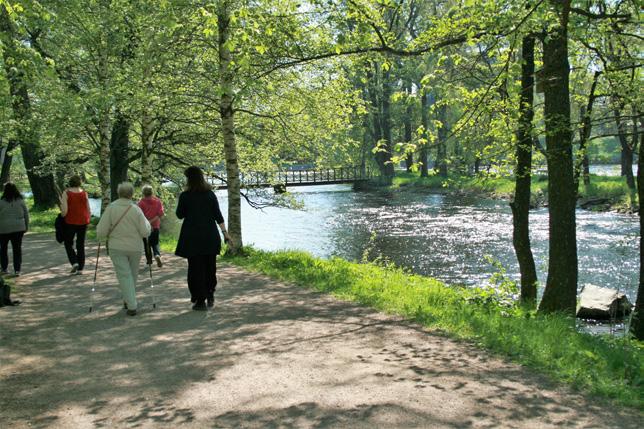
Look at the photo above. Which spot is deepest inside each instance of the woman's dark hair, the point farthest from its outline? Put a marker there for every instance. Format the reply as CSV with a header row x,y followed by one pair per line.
x,y
74,181
196,181
11,192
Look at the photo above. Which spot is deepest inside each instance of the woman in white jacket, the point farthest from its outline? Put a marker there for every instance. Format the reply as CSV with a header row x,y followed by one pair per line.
x,y
124,226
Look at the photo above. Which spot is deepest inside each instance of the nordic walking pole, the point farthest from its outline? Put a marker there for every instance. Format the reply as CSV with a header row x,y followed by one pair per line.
x,y
91,295
148,259
154,301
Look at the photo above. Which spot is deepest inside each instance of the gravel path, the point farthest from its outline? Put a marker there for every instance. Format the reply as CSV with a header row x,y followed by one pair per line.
x,y
270,355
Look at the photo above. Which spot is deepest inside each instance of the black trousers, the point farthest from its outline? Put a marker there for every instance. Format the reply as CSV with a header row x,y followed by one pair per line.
x,y
16,245
151,246
154,241
202,276
78,256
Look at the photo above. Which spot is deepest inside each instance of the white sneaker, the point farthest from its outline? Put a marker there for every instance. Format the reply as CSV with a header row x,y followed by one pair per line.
x,y
74,269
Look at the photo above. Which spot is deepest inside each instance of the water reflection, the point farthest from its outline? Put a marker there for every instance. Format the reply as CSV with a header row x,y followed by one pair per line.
x,y
443,236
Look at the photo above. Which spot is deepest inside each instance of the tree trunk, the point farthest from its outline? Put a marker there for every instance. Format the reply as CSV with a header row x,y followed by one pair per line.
x,y
409,159
586,114
521,204
147,136
424,120
228,129
637,325
386,125
375,98
119,161
561,286
6,158
42,184
103,123
441,149
627,150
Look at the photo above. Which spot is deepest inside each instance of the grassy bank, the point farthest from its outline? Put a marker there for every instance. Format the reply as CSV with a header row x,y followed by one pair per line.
x,y
603,366
611,188
41,220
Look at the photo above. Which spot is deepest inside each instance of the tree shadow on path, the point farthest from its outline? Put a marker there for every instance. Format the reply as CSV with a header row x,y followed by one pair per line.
x,y
269,355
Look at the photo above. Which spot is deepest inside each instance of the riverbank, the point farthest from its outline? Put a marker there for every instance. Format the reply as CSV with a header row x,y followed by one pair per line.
x,y
603,194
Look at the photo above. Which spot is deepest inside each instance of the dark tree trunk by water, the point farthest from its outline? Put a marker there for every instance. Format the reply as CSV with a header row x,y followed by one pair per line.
x,y
441,149
561,286
586,112
119,161
386,124
521,204
424,118
637,325
627,150
41,183
409,159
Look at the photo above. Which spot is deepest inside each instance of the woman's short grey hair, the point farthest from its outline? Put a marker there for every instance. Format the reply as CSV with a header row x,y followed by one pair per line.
x,y
147,190
125,190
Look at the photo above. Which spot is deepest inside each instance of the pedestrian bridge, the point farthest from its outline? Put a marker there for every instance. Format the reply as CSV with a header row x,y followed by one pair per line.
x,y
279,180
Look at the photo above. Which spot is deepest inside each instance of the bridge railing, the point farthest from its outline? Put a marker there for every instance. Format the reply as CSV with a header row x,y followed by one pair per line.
x,y
299,177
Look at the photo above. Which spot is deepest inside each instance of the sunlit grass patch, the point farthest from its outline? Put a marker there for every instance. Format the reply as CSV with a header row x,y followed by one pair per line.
x,y
41,220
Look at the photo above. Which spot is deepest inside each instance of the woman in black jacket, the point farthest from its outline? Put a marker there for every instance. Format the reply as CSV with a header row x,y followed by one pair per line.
x,y
199,240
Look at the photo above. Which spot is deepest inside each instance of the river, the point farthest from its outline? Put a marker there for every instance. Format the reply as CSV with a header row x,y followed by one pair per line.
x,y
443,236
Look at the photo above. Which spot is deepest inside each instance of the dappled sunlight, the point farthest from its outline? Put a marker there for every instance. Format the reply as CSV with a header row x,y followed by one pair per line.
x,y
270,354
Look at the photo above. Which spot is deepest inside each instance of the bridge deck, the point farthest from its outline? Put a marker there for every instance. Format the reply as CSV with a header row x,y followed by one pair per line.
x,y
332,176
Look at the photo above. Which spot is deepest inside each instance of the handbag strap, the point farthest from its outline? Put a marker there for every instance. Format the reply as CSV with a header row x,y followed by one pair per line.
x,y
118,221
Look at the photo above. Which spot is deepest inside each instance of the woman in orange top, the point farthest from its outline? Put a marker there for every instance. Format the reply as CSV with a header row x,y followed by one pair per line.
x,y
74,206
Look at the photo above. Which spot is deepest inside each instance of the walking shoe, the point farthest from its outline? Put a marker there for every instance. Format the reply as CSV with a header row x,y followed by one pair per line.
x,y
4,272
74,269
211,301
131,312
16,273
79,272
158,259
200,306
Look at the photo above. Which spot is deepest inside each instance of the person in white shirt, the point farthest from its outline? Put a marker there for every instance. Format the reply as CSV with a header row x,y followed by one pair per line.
x,y
124,226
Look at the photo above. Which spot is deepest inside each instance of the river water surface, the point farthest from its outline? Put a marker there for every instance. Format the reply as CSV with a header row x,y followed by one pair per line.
x,y
443,236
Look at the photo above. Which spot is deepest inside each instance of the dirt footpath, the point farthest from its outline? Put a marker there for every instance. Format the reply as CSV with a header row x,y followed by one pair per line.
x,y
270,355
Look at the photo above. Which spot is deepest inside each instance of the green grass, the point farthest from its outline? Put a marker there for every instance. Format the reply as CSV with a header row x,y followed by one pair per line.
x,y
600,365
612,188
41,220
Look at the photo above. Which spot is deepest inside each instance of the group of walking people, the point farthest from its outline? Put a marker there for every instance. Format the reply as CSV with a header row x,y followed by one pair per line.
x,y
129,230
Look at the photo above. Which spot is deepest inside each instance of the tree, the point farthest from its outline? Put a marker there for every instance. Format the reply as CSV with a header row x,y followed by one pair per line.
x,y
521,204
42,183
637,325
561,285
